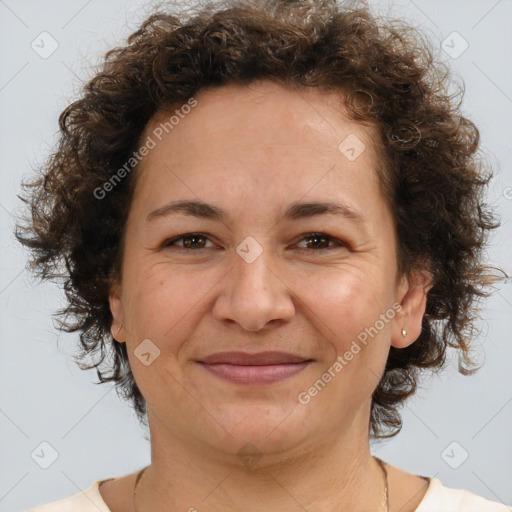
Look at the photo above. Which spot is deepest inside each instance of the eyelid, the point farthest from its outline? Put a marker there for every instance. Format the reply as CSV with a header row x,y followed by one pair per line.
x,y
331,239
167,243
336,242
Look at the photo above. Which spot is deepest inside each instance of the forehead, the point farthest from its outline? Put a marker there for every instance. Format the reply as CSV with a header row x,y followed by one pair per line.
x,y
251,138
236,114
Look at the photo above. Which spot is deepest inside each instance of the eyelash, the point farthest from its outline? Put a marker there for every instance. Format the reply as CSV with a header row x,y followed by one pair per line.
x,y
171,242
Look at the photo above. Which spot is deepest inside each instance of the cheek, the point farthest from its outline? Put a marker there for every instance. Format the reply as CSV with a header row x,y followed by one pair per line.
x,y
349,306
346,300
164,302
164,306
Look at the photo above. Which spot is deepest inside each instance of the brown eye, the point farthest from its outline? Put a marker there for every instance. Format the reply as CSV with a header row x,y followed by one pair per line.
x,y
320,241
189,241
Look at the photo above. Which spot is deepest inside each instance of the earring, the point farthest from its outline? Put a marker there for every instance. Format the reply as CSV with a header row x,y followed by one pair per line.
x,y
404,333
121,325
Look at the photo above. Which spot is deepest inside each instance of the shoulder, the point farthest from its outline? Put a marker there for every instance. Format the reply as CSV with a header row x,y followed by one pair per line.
x,y
87,500
439,498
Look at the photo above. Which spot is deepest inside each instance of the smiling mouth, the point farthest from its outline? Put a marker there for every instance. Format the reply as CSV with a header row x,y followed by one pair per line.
x,y
259,368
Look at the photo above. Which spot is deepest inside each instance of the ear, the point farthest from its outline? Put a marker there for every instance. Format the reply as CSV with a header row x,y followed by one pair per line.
x,y
116,308
412,297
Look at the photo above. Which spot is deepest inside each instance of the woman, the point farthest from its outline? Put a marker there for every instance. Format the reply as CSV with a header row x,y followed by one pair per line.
x,y
271,214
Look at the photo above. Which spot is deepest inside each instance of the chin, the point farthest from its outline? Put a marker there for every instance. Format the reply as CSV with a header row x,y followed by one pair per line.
x,y
260,428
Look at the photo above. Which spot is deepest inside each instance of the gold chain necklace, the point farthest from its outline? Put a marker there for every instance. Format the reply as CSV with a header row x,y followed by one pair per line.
x,y
385,494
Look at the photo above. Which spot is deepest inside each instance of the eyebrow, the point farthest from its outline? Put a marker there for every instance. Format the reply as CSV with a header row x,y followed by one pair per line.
x,y
294,211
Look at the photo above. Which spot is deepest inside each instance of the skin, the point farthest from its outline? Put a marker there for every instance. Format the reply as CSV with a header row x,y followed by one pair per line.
x,y
253,150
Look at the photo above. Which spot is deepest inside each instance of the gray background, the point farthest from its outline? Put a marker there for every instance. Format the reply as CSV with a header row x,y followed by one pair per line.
x,y
44,397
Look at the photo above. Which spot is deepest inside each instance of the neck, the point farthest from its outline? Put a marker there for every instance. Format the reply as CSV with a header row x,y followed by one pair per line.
x,y
339,474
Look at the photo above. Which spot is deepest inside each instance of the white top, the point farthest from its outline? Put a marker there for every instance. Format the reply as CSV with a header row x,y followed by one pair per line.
x,y
438,498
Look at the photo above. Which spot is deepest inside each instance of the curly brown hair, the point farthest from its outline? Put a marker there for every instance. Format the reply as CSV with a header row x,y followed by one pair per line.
x,y
390,76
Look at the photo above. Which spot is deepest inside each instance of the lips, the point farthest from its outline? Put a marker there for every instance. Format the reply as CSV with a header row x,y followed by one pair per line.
x,y
256,359
256,369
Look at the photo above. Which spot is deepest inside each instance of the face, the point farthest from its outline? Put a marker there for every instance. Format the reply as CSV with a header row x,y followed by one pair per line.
x,y
262,269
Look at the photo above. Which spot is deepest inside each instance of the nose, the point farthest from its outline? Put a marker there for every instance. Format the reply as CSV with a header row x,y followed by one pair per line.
x,y
254,294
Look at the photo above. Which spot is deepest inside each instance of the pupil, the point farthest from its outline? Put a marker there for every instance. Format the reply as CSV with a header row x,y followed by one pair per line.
x,y
317,240
191,241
